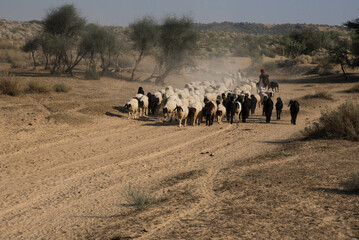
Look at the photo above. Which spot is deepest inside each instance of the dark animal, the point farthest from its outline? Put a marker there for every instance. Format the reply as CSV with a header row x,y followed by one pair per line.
x,y
279,107
152,103
294,109
140,90
246,108
253,104
268,108
274,86
209,112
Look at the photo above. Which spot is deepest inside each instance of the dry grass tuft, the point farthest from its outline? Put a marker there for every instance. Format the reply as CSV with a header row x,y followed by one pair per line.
x,y
9,85
354,89
352,184
137,197
61,87
319,95
36,87
342,123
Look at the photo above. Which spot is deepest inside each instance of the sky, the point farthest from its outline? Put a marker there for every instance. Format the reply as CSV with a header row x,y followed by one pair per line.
x,y
124,12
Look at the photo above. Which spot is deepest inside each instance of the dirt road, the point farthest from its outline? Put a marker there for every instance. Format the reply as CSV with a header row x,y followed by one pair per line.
x,y
64,168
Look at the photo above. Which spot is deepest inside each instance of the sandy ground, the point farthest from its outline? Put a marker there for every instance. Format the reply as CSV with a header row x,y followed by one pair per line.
x,y
65,160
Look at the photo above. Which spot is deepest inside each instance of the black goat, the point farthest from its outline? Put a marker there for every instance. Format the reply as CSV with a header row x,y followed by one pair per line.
x,y
268,108
294,109
140,90
246,108
152,103
279,107
274,86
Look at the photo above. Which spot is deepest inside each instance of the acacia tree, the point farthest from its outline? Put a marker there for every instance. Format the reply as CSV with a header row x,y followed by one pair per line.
x,y
64,27
31,46
354,25
176,46
143,35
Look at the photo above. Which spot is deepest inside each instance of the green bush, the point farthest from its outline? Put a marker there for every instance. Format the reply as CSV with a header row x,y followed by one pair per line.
x,y
36,87
9,85
342,123
61,87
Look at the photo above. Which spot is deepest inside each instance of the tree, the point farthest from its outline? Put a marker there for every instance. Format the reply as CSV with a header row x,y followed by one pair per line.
x,y
32,46
354,25
177,43
143,35
64,27
339,54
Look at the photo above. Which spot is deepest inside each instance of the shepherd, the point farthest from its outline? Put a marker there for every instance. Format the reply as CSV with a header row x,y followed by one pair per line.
x,y
263,81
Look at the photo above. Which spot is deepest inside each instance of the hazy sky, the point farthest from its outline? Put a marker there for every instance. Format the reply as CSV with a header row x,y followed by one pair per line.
x,y
123,12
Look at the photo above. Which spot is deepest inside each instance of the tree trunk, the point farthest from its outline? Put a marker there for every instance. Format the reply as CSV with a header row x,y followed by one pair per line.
x,y
136,64
342,66
161,79
46,62
33,58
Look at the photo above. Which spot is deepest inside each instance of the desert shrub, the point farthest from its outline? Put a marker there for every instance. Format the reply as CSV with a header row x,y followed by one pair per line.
x,y
303,59
6,45
319,95
137,197
354,89
61,87
342,123
9,85
16,58
351,184
36,87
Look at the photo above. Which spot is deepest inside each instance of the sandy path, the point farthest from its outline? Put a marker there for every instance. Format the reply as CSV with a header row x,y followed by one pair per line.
x,y
43,189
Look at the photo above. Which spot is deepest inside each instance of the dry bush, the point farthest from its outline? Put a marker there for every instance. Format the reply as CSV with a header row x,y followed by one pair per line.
x,y
354,89
6,45
61,87
137,197
9,85
303,59
320,95
16,58
352,184
36,87
342,123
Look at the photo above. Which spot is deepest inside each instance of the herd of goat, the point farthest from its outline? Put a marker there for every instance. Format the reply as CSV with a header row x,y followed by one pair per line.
x,y
211,101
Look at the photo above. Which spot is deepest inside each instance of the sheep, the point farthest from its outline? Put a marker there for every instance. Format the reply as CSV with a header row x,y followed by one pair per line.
x,y
140,91
195,113
221,111
209,112
279,107
246,107
294,109
169,110
143,105
182,114
274,86
132,107
268,108
138,96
